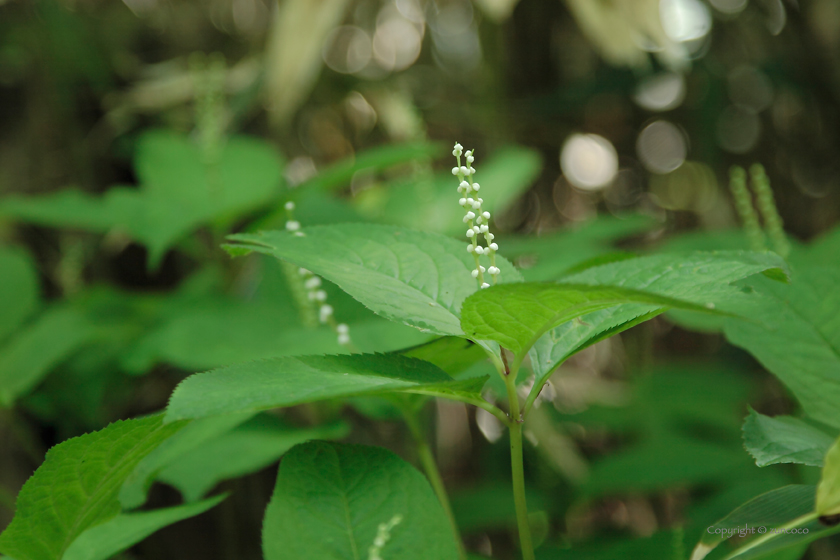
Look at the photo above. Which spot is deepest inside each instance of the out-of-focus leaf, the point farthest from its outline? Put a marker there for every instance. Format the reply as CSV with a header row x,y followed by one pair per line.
x,y
127,529
376,159
288,381
29,355
331,499
178,191
192,436
76,487
491,507
18,289
828,490
293,54
551,256
243,450
420,279
659,464
659,546
784,439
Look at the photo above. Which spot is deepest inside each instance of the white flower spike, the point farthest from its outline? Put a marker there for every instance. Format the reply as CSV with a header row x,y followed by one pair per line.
x,y
475,217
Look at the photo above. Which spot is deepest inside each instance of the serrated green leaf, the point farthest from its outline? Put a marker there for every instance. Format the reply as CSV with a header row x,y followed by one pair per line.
x,y
795,334
76,487
517,315
245,449
784,439
29,355
127,529
18,289
420,279
828,490
700,278
331,499
178,191
289,381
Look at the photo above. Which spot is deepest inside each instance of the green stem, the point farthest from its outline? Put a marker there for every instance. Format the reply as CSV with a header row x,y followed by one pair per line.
x,y
427,460
516,463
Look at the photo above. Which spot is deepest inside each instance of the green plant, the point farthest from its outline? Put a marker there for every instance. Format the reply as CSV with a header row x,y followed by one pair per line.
x,y
429,282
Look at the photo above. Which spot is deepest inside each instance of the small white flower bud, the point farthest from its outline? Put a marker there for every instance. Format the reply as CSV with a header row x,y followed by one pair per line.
x,y
464,185
321,295
292,225
493,270
475,186
455,170
476,204
458,146
325,312
471,170
482,268
490,236
470,232
470,159
465,219
478,220
343,338
494,246
479,250
474,273
476,229
485,285
342,328
480,200
484,228
312,283
290,206
470,215
462,201
470,248
465,170
486,215
470,201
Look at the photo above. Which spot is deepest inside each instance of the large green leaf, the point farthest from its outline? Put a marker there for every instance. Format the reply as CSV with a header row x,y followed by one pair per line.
x,y
18,289
828,491
784,439
420,279
178,191
332,501
288,381
127,529
516,315
245,449
76,487
796,336
30,354
702,278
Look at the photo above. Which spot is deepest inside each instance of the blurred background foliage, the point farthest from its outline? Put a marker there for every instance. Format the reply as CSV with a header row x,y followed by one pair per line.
x,y
136,134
